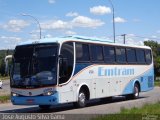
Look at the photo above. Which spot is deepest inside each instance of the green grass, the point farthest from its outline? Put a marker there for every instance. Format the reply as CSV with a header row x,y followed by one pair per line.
x,y
119,117
4,78
157,83
152,110
4,99
147,109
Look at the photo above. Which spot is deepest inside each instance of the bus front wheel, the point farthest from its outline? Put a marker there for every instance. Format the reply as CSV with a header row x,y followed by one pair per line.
x,y
82,97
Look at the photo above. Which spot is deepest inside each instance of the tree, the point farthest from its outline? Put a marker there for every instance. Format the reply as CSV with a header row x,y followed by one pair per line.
x,y
3,53
154,45
2,67
156,54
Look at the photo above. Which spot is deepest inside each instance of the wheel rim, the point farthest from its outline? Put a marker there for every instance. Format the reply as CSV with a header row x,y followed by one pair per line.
x,y
82,98
136,91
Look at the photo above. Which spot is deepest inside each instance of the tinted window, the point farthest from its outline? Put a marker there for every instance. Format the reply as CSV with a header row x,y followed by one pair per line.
x,y
131,55
140,56
120,55
96,53
148,56
82,52
66,62
109,54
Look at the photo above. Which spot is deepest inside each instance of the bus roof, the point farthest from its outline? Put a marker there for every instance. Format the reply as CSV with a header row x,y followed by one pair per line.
x,y
76,38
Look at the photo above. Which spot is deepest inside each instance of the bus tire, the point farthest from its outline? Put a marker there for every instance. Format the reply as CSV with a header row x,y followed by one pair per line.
x,y
44,107
135,94
82,98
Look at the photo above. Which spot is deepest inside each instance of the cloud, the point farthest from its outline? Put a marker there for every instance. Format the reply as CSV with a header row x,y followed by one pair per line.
x,y
131,35
15,39
119,20
9,42
100,10
70,33
154,36
34,37
51,1
48,36
58,24
79,21
131,39
82,21
146,39
15,25
72,14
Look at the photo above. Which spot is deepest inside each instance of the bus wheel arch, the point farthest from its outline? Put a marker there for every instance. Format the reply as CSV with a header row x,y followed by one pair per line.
x,y
82,96
85,88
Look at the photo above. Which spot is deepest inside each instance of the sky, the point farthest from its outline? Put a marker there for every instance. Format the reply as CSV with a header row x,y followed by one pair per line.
x,y
138,19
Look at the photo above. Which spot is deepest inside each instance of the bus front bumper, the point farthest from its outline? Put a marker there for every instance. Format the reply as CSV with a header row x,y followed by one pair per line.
x,y
35,100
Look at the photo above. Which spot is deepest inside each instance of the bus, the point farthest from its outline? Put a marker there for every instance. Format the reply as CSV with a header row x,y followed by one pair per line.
x,y
76,69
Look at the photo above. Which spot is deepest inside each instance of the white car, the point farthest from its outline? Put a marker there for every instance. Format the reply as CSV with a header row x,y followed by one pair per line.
x,y
1,83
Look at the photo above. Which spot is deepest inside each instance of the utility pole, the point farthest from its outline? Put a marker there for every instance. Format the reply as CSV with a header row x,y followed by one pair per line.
x,y
124,38
36,21
113,18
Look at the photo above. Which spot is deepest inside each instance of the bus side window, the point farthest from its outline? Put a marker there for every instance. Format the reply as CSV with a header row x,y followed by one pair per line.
x,y
121,55
96,53
148,56
66,62
140,56
131,55
82,52
109,54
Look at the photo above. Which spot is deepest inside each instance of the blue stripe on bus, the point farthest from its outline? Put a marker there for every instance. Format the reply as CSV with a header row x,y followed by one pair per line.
x,y
146,82
35,100
80,67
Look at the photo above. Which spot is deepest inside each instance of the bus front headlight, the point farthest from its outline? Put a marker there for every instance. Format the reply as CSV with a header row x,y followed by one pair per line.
x,y
14,94
49,93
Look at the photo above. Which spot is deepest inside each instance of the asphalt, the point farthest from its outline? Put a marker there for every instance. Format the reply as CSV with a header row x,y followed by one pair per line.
x,y
93,107
5,88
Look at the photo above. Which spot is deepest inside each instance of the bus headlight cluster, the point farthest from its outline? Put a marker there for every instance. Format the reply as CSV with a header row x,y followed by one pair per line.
x,y
48,93
14,94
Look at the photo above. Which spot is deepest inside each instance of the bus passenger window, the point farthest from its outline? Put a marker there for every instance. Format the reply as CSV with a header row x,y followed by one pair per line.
x,y
82,52
121,55
131,55
66,62
97,53
140,56
109,54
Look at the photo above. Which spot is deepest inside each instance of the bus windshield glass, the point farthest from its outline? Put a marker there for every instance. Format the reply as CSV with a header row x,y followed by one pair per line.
x,y
34,66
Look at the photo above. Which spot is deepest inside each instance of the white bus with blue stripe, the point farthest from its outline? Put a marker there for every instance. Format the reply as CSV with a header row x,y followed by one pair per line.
x,y
77,69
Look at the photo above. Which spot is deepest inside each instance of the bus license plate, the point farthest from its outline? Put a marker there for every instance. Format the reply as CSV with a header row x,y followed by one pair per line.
x,y
30,101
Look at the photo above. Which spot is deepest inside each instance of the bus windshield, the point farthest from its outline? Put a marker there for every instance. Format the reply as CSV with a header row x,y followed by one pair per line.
x,y
34,66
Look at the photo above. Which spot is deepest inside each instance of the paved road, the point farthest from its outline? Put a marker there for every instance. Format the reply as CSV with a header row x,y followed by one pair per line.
x,y
94,107
5,88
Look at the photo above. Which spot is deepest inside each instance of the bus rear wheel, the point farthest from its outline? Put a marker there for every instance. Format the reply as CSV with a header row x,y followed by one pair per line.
x,y
82,97
44,107
135,94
